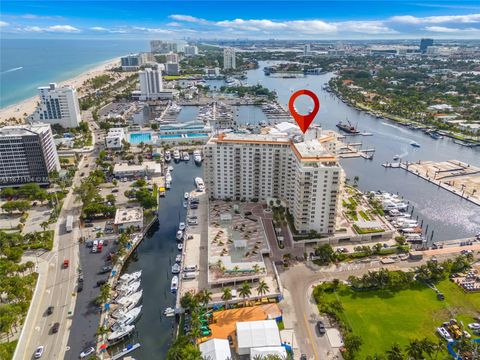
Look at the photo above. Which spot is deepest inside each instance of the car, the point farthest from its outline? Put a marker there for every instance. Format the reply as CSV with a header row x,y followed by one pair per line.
x,y
89,225
66,262
98,228
89,243
101,282
105,269
50,310
87,352
474,326
55,327
321,327
303,357
39,352
82,174
80,278
86,165
79,287
230,340
114,190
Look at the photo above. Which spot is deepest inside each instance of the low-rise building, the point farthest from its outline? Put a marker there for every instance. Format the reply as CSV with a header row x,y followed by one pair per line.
x,y
257,335
115,138
147,168
129,218
212,72
172,68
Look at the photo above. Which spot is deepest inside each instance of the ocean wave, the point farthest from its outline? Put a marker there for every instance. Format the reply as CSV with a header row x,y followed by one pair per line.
x,y
11,70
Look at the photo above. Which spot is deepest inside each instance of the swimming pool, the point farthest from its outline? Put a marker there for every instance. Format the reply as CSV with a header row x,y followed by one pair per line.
x,y
193,135
182,136
137,138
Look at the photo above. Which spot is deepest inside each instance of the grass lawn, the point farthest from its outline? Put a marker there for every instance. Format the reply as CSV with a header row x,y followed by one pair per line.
x,y
382,318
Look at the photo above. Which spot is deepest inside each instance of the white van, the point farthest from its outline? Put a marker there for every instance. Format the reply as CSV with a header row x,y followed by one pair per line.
x,y
191,268
189,275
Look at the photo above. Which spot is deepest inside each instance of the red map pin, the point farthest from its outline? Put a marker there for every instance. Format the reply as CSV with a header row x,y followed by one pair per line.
x,y
304,121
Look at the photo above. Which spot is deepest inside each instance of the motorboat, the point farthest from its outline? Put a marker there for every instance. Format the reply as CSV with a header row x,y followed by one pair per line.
x,y
129,278
126,290
129,302
129,318
168,156
170,168
180,246
168,184
415,144
168,177
174,284
176,155
197,156
185,204
120,334
179,235
178,258
181,226
186,196
185,156
176,268
168,312
396,157
200,184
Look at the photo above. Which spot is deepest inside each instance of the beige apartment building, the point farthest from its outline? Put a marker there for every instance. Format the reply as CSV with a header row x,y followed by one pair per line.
x,y
303,173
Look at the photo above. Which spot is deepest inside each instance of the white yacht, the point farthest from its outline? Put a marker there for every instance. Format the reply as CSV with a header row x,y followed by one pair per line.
x,y
181,226
186,196
174,284
121,333
176,268
168,184
178,258
200,184
168,177
129,302
179,235
129,278
168,312
185,156
197,156
168,156
127,290
127,319
180,246
176,155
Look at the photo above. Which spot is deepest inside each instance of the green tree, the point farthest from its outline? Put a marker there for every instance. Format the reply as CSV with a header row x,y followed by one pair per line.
x,y
226,295
325,253
395,352
262,288
245,291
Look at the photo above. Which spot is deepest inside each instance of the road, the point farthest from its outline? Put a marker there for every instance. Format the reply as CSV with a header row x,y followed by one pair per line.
x,y
59,286
299,306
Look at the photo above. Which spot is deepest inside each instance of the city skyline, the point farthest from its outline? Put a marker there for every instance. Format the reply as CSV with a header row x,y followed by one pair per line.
x,y
208,20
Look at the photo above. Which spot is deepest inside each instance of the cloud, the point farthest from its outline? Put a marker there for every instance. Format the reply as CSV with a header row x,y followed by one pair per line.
x,y
99,28
53,29
189,18
152,30
174,23
366,27
4,23
443,29
409,19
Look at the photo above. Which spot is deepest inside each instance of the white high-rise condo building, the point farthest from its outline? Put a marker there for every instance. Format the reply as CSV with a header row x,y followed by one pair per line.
x,y
229,59
151,85
302,173
191,50
27,154
171,57
58,105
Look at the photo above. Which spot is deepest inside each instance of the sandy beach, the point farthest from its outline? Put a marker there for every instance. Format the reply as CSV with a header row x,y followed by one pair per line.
x,y
28,105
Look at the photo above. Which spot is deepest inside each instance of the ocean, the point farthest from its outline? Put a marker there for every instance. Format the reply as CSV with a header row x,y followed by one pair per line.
x,y
26,64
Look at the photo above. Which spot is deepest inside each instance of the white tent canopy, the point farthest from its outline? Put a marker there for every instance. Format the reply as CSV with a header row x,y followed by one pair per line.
x,y
270,350
216,349
254,334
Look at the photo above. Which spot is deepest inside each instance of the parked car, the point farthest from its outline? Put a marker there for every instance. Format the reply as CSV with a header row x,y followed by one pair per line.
x,y
89,225
474,326
89,243
101,282
80,278
55,327
39,352
66,262
87,352
79,287
105,269
321,327
50,310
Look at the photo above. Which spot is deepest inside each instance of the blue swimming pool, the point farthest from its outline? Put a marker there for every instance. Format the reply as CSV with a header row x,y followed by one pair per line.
x,y
137,138
182,136
193,135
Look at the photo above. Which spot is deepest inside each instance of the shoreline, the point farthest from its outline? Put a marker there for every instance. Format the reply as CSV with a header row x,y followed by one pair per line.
x,y
28,105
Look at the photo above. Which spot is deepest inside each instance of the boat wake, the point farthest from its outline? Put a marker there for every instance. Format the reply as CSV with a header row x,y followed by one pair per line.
x,y
11,70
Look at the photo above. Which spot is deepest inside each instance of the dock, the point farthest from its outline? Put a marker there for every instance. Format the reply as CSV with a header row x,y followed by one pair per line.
x,y
125,351
446,180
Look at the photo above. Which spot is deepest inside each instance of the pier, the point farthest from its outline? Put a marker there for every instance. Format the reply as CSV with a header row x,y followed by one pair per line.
x,y
413,168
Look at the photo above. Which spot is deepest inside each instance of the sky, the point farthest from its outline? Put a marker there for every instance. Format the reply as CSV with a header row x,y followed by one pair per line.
x,y
316,20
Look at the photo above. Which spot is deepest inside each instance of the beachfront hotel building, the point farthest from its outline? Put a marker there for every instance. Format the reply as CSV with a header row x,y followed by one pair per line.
x,y
27,154
58,105
302,171
151,85
229,59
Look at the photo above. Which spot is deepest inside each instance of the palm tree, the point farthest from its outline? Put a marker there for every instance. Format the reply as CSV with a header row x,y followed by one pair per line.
x,y
395,353
206,297
44,225
227,295
245,291
414,350
262,288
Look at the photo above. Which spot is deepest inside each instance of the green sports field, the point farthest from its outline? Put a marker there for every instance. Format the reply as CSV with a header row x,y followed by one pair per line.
x,y
382,318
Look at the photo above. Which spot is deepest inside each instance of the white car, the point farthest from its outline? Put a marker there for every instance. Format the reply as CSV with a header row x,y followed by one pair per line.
x,y
39,352
474,326
87,352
